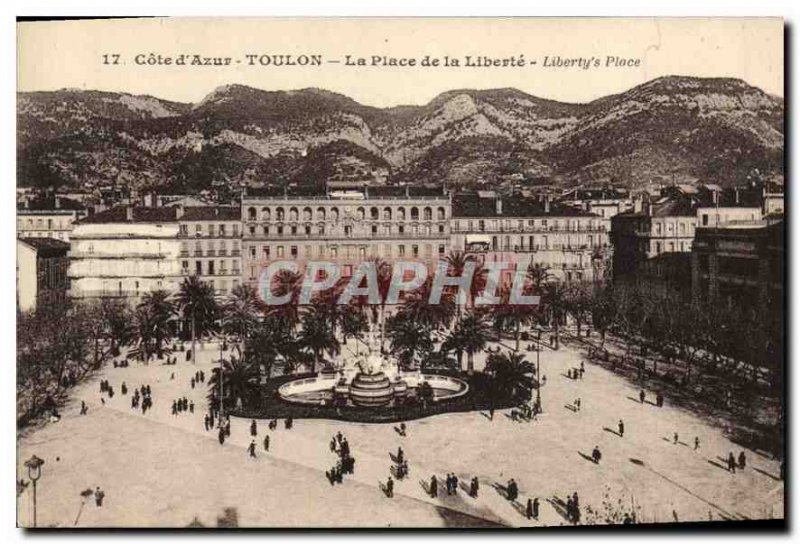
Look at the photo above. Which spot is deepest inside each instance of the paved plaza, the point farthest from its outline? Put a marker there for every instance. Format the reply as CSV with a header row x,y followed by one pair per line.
x,y
166,470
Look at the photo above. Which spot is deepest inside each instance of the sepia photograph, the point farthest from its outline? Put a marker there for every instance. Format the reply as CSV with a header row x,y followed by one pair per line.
x,y
360,273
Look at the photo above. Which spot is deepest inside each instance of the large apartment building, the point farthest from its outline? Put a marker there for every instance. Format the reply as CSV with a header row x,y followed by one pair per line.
x,y
346,227
572,243
210,244
48,217
125,252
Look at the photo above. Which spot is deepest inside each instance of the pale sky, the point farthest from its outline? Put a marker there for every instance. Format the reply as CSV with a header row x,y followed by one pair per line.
x,y
69,54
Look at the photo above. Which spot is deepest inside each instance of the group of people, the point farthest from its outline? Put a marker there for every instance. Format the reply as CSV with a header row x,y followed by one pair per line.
x,y
199,377
142,396
182,405
345,464
659,398
573,508
733,463
576,373
124,363
107,388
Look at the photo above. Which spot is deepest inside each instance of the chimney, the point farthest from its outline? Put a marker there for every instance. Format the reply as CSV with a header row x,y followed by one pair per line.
x,y
129,213
714,197
547,203
498,205
178,211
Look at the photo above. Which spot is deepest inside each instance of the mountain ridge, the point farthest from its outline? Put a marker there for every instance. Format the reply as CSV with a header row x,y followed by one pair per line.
x,y
719,129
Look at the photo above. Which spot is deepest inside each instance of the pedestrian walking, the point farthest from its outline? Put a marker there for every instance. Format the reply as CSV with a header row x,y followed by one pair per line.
x,y
742,460
641,396
84,409
390,487
99,495
596,455
253,428
474,487
529,509
221,436
252,448
696,442
731,463
621,428
266,443
536,508
675,438
434,486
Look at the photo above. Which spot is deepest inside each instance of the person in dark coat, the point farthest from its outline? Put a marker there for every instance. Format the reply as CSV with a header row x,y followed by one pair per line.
x,y
474,487
621,427
399,455
221,435
536,508
390,487
434,486
253,428
529,509
252,448
596,455
731,463
641,396
742,460
266,443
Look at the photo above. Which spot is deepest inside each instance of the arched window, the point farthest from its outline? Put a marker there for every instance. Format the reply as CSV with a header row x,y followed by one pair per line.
x,y
401,214
334,214
373,213
387,214
414,213
440,214
251,214
427,214
360,213
321,214
279,214
293,214
306,214
266,214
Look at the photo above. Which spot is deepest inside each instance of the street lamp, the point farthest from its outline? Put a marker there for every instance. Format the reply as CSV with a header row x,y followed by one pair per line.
x,y
34,465
538,370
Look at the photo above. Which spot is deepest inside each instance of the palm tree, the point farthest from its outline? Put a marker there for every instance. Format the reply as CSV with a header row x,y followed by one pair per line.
x,y
239,382
242,311
514,316
317,336
287,282
155,315
417,307
268,343
456,264
408,339
553,303
352,322
474,331
198,306
511,377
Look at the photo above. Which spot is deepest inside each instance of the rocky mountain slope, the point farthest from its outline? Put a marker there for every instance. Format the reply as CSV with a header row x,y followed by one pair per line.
x,y
719,130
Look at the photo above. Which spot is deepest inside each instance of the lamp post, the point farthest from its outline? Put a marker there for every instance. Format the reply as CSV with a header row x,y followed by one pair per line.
x,y
538,371
34,465
222,348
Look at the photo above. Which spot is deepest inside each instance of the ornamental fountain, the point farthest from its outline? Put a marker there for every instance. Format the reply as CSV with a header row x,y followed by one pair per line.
x,y
368,379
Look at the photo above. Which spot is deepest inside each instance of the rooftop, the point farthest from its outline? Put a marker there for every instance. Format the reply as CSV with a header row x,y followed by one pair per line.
x,y
319,193
474,205
46,245
119,214
211,213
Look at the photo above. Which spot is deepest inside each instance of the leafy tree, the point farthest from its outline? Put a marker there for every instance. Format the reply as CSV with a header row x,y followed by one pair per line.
x,y
511,378
317,335
154,320
409,340
473,331
239,382
198,307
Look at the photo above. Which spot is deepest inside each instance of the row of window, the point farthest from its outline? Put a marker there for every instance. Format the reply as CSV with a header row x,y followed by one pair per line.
x,y
322,213
320,230
211,247
522,225
211,230
277,252
211,268
680,229
41,223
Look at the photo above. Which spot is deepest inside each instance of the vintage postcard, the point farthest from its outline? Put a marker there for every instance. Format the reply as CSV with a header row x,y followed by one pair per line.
x,y
394,273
